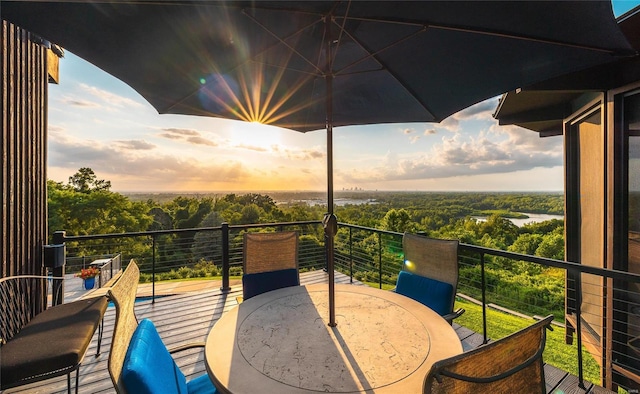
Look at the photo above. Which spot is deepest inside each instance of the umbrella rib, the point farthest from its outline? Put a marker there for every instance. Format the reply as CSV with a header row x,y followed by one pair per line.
x,y
372,55
493,33
524,38
282,40
341,31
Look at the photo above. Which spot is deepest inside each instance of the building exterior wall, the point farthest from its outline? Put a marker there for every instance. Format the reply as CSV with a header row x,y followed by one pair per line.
x,y
23,179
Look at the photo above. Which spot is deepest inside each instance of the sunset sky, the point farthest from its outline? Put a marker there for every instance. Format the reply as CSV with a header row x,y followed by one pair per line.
x,y
99,122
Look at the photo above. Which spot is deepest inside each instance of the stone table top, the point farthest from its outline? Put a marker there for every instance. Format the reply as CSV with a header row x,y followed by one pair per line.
x,y
280,342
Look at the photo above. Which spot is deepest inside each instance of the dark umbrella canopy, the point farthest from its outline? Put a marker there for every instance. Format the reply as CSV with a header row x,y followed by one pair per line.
x,y
308,65
266,61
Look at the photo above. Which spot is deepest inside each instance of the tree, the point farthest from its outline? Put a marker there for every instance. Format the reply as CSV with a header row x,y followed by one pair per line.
x,y
250,214
207,245
501,230
86,181
94,210
552,246
526,244
398,220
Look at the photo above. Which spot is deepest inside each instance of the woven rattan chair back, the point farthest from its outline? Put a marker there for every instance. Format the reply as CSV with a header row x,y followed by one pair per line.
x,y
123,296
512,364
432,258
21,298
264,252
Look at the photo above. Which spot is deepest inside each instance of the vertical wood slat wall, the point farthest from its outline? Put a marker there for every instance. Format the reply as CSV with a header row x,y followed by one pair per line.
x,y
23,180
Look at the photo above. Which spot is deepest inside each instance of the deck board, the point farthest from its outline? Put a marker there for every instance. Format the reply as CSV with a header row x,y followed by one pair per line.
x,y
188,317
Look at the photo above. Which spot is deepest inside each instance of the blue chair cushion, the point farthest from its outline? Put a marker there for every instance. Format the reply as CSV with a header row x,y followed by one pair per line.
x,y
201,385
433,293
148,366
254,284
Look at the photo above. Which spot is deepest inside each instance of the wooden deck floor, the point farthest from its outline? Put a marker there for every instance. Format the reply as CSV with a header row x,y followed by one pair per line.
x,y
189,315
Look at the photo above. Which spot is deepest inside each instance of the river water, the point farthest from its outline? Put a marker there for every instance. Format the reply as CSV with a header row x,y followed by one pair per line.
x,y
533,218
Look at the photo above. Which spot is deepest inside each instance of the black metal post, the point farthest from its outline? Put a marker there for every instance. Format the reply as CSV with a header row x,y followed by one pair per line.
x,y
350,255
578,279
379,260
330,219
57,290
153,269
225,257
484,300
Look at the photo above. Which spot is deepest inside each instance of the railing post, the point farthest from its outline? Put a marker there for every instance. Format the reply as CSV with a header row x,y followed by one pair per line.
x,y
350,255
225,257
484,299
153,269
57,290
578,279
380,260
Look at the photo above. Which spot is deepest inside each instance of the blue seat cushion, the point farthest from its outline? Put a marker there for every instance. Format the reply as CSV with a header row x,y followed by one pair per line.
x,y
433,293
201,385
148,366
254,284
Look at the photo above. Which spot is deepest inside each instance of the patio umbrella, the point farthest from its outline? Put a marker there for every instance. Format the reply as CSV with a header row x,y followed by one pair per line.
x,y
308,65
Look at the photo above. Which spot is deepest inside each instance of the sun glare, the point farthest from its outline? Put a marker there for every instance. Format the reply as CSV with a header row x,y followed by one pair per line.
x,y
256,136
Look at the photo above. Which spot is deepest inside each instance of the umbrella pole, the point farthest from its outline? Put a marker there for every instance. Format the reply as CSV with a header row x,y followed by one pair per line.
x,y
330,221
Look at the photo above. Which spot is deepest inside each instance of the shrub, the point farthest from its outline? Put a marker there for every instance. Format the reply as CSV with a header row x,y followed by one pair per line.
x,y
235,271
199,273
184,272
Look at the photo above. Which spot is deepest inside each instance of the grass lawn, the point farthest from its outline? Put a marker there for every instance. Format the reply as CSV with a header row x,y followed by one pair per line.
x,y
556,353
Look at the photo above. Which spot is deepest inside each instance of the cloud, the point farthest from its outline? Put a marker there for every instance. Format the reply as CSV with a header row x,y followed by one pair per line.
x,y
430,132
481,111
110,98
181,132
150,171
408,131
200,141
135,145
190,136
252,147
79,103
304,154
295,153
493,152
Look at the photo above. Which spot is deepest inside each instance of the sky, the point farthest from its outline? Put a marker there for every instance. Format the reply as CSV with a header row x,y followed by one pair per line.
x,y
97,121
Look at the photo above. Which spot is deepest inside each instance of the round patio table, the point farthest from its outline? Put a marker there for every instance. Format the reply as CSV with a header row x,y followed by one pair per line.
x,y
280,342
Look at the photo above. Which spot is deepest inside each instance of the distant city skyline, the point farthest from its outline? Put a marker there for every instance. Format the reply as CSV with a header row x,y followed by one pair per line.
x,y
99,122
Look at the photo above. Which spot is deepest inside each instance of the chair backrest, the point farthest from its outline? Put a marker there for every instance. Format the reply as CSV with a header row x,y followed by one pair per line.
x,y
511,364
148,365
265,252
270,262
123,296
432,258
21,298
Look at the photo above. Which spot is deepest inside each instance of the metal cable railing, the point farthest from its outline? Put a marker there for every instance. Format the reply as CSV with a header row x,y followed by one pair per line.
x,y
603,305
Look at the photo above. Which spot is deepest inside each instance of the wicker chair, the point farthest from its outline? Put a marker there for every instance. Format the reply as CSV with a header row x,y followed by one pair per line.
x,y
270,262
430,273
123,296
139,362
512,364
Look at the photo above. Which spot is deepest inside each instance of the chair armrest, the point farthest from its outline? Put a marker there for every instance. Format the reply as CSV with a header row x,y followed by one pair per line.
x,y
186,346
454,315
